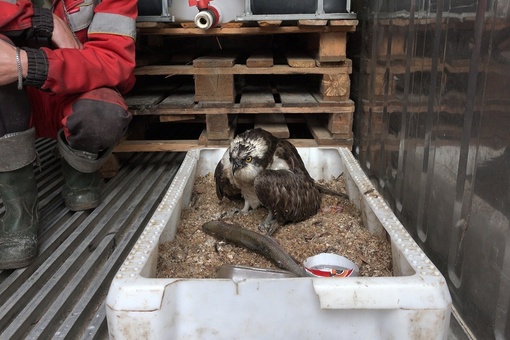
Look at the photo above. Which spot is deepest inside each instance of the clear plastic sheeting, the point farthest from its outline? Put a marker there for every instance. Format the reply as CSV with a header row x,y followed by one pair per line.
x,y
433,135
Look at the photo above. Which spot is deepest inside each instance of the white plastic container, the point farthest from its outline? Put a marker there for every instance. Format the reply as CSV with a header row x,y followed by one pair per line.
x,y
413,304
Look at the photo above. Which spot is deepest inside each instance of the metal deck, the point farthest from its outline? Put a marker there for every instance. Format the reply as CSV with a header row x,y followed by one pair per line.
x,y
61,295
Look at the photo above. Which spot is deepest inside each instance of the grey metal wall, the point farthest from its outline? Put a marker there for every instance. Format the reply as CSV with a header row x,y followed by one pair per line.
x,y
433,131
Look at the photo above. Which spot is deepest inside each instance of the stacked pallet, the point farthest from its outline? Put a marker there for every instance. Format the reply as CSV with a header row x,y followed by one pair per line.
x,y
269,74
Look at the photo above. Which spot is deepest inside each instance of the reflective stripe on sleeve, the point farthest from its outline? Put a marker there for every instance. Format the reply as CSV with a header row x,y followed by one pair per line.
x,y
113,24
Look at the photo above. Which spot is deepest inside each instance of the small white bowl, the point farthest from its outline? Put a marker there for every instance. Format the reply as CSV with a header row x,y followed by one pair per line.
x,y
330,265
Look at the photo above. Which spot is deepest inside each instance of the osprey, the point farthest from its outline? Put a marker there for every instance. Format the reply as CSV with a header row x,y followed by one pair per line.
x,y
267,171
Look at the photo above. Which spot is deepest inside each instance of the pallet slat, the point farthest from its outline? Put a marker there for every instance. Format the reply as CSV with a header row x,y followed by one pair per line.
x,y
155,70
257,97
266,27
275,124
297,98
261,58
317,105
299,59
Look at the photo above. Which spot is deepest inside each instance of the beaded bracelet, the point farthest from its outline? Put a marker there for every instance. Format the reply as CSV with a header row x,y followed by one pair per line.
x,y
20,71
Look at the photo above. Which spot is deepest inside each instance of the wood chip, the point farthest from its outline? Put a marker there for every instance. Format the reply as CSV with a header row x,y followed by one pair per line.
x,y
337,228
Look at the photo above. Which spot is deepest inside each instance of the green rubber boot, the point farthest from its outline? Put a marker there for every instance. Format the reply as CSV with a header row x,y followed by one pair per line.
x,y
18,190
81,191
82,187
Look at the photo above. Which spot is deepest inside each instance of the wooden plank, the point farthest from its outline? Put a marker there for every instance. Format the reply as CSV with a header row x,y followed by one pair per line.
x,y
340,124
178,101
188,24
232,24
235,108
269,23
319,132
239,69
221,59
204,141
332,46
340,137
275,124
299,59
344,105
214,88
261,58
176,118
296,98
257,96
344,22
266,27
217,127
322,136
144,101
312,22
213,106
319,63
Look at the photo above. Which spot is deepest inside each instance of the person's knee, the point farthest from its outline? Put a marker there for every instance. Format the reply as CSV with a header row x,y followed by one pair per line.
x,y
96,125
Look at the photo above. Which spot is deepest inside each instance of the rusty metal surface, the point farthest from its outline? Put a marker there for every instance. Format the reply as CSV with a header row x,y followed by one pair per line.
x,y
61,295
433,132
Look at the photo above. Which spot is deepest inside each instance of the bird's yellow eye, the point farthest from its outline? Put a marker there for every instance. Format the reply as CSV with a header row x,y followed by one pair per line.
x,y
248,159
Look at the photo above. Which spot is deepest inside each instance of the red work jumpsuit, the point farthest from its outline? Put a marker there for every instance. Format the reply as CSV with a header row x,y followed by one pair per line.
x,y
97,74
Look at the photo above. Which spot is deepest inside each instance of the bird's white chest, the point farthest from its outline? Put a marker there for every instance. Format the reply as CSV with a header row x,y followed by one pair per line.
x,y
243,179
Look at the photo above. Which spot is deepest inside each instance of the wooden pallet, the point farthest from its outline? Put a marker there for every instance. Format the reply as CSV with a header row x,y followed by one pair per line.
x,y
214,73
313,132
263,99
268,72
326,39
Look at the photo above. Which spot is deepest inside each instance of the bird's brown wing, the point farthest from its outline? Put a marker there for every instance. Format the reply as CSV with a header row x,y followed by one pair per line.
x,y
287,151
291,197
225,186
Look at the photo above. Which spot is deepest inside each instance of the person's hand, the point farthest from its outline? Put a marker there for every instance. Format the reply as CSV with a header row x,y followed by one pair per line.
x,y
62,36
8,65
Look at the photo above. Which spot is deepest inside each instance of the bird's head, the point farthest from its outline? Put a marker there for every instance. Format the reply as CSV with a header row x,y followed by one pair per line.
x,y
247,155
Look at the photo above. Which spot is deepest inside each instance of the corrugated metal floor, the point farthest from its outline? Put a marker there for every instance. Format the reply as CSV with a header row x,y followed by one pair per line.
x,y
61,295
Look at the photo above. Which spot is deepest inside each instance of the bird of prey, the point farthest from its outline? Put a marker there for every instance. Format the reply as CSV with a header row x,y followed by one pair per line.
x,y
267,171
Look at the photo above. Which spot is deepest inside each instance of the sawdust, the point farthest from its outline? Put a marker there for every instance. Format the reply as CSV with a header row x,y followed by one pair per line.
x,y
337,228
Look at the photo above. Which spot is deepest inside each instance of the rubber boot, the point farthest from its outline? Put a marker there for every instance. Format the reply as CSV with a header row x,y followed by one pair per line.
x,y
18,189
82,182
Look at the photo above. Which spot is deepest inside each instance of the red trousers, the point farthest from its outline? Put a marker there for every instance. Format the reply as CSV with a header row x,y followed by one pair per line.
x,y
50,111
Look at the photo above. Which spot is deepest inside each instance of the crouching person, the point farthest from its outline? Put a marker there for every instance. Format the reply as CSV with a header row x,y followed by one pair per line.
x,y
63,70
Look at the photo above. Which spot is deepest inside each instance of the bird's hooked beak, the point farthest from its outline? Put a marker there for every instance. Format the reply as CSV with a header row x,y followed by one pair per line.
x,y
236,165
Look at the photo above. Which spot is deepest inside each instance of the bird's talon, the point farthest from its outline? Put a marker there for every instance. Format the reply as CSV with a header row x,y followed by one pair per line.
x,y
262,228
272,228
268,228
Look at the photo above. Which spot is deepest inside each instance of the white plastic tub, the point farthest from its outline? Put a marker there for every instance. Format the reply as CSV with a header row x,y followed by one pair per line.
x,y
413,304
